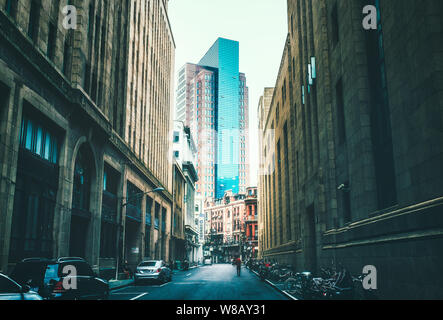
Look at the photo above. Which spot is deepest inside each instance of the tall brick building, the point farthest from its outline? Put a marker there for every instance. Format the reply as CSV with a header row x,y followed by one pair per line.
x,y
353,144
85,118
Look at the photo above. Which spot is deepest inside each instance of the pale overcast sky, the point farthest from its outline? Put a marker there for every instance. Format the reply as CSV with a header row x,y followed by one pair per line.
x,y
259,25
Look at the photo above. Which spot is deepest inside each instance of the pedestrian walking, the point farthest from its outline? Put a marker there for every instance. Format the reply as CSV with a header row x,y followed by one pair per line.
x,y
238,264
127,270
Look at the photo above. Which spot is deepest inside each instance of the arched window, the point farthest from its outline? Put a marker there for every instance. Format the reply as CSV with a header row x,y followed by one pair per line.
x,y
82,182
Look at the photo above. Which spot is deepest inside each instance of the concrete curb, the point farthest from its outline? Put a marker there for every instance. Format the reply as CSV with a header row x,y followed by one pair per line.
x,y
275,287
132,281
122,286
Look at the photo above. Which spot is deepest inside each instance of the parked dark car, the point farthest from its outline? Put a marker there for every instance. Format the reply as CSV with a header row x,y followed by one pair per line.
x,y
52,279
11,290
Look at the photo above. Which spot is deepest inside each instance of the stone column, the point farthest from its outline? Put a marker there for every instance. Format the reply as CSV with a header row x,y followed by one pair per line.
x,y
96,214
10,118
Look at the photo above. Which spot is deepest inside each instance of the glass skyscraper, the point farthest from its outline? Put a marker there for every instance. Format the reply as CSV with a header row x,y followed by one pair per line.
x,y
212,98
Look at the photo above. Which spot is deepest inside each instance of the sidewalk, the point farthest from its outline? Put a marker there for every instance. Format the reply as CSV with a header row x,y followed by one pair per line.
x,y
175,271
277,286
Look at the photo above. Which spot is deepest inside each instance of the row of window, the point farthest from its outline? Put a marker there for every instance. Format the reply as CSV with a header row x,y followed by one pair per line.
x,y
38,139
33,28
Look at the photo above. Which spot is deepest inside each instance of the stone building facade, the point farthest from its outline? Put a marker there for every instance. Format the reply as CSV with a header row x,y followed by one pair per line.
x,y
178,237
185,152
85,120
262,113
364,120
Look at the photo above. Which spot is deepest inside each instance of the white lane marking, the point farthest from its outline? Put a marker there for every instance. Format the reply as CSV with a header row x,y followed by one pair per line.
x,y
290,295
139,296
159,286
188,274
125,293
117,290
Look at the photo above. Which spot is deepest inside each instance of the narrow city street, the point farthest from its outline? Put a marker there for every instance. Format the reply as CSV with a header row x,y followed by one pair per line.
x,y
216,282
301,139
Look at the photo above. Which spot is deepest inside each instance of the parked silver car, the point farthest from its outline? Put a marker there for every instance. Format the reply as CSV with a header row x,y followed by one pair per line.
x,y
11,290
152,270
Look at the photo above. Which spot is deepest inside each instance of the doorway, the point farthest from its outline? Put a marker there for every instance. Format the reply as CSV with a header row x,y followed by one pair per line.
x,y
77,241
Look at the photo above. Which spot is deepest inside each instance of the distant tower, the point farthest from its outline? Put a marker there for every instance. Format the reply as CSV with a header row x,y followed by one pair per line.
x,y
212,99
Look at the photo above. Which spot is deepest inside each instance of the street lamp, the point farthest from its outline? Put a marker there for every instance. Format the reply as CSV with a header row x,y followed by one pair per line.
x,y
156,190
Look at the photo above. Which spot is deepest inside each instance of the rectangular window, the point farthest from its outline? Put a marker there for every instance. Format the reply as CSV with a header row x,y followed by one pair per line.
x,y
11,7
163,220
157,217
28,135
67,57
335,27
54,148
34,17
340,112
47,146
38,139
347,205
283,91
105,176
52,35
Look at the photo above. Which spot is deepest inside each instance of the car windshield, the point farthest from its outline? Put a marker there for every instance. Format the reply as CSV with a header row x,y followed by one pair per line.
x,y
8,286
81,269
149,264
34,271
51,271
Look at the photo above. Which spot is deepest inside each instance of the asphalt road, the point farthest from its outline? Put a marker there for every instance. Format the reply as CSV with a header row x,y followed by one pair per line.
x,y
216,282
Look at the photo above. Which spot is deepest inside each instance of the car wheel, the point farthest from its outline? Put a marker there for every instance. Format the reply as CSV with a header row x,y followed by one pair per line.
x,y
105,295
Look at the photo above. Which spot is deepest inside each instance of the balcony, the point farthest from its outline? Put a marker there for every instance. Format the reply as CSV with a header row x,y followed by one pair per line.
x,y
252,239
229,244
250,219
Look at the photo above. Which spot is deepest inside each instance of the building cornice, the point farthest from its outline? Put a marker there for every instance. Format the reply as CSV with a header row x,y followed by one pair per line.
x,y
284,56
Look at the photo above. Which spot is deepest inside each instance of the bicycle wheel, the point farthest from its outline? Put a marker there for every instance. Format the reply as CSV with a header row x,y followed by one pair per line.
x,y
290,284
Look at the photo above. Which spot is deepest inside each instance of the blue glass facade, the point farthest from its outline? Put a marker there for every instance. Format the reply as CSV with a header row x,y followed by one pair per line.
x,y
224,55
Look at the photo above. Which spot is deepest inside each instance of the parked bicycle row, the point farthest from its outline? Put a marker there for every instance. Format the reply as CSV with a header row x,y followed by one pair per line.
x,y
331,284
